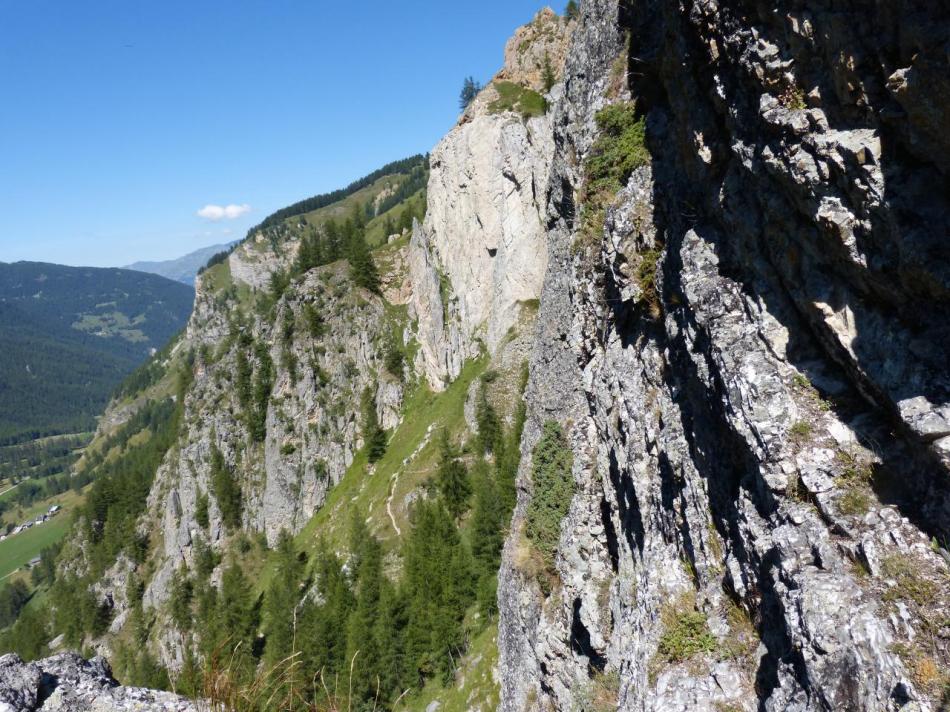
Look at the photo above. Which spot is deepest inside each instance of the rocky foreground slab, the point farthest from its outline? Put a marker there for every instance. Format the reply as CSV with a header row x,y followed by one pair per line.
x,y
69,683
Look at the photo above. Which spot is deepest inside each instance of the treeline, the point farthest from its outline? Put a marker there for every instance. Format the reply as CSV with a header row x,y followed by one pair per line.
x,y
321,201
40,458
418,180
328,243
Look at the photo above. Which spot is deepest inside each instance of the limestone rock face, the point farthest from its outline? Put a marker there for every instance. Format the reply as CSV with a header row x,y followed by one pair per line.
x,y
762,446
68,683
481,253
479,258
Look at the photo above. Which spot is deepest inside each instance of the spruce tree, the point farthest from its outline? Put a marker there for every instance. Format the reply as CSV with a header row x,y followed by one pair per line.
x,y
361,626
487,421
452,479
362,266
282,600
374,436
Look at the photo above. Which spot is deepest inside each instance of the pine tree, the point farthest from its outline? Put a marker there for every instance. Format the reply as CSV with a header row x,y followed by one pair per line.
x,y
227,492
486,527
179,603
331,231
487,421
361,626
389,228
322,628
548,75
362,266
373,435
314,321
438,585
282,600
452,479
470,89
201,510
263,383
572,10
390,629
244,373
236,620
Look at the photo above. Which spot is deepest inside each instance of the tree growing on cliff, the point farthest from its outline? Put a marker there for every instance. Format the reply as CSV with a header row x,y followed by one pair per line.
x,y
487,421
373,434
263,383
226,490
572,10
362,266
470,89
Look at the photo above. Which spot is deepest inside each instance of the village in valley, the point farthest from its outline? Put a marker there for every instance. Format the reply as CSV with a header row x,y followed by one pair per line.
x,y
41,519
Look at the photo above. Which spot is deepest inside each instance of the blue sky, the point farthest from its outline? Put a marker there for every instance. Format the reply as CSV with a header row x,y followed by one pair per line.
x,y
120,121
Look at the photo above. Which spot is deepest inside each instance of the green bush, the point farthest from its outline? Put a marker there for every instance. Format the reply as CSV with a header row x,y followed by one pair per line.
x,y
553,488
686,634
616,154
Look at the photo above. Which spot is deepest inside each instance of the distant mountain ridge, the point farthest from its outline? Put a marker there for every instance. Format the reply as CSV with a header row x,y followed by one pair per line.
x,y
71,334
182,269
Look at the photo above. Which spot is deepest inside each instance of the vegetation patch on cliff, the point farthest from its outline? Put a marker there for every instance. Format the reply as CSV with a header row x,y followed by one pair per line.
x,y
519,99
616,154
552,491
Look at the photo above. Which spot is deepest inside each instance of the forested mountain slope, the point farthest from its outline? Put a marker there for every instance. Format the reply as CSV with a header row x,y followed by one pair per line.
x,y
70,335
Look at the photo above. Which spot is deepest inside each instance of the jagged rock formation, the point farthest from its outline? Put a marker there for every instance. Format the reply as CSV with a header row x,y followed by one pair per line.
x,y
68,683
759,433
480,256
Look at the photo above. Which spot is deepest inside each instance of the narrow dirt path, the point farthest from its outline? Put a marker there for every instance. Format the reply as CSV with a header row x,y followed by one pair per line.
x,y
395,477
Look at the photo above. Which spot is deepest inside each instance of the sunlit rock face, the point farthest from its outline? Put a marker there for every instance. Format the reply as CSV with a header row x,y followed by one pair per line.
x,y
759,430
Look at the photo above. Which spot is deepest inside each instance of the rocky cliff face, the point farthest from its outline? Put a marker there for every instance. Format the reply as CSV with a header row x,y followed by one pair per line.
x,y
759,431
307,358
480,256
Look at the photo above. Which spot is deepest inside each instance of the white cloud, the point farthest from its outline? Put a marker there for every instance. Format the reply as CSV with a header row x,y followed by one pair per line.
x,y
223,212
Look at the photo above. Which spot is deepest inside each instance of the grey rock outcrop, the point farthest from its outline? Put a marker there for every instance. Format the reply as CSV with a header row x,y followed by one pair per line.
x,y
757,432
480,255
69,683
